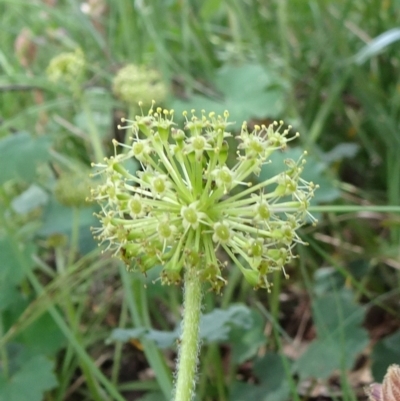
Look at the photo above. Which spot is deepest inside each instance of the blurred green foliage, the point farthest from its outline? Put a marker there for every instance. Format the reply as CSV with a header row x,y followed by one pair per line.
x,y
328,68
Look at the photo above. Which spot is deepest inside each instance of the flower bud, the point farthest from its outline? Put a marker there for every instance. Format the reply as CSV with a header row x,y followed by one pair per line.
x,y
389,390
222,233
135,83
72,190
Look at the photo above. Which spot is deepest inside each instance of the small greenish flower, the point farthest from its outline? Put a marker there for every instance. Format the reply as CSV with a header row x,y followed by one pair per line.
x,y
186,202
135,83
68,68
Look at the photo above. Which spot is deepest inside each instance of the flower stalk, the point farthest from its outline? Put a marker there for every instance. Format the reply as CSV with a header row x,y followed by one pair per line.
x,y
189,341
69,69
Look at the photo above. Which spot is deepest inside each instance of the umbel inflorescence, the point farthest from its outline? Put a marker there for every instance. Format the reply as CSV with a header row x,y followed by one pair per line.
x,y
185,202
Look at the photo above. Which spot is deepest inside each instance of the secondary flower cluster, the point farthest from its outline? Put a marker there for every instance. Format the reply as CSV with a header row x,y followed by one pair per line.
x,y
133,83
68,69
185,202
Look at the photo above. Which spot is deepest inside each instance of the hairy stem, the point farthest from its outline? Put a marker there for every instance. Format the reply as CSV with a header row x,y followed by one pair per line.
x,y
189,347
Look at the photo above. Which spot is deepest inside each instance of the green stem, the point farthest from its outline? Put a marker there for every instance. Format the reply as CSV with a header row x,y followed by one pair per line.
x,y
153,355
284,35
3,352
119,345
25,264
219,379
94,135
189,348
71,337
73,249
70,311
355,208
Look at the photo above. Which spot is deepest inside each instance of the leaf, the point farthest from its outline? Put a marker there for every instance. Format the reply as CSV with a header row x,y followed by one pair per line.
x,y
30,199
198,102
377,45
247,341
385,353
13,257
152,396
37,332
248,91
8,294
214,327
28,383
334,309
327,279
314,171
162,339
341,151
340,337
58,219
209,8
271,372
43,336
21,154
273,384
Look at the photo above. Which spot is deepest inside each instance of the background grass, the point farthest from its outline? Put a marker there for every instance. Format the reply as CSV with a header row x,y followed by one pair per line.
x,y
332,71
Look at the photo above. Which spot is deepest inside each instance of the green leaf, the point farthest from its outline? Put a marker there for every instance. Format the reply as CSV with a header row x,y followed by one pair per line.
x,y
248,91
385,353
162,339
8,295
340,337
58,219
21,154
30,199
336,309
214,327
43,336
13,257
14,310
198,102
100,103
327,279
28,383
341,151
153,396
247,341
273,384
377,45
209,8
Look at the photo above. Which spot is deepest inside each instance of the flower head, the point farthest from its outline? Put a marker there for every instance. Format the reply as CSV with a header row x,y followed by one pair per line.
x,y
77,197
186,202
68,68
133,83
